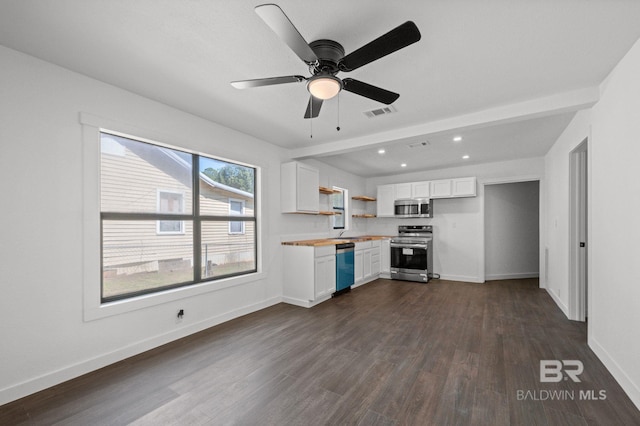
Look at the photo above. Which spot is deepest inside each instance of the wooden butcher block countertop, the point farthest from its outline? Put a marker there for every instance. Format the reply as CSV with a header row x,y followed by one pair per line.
x,y
332,241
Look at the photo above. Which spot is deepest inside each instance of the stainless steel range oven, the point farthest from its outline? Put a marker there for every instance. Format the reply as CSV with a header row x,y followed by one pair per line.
x,y
412,253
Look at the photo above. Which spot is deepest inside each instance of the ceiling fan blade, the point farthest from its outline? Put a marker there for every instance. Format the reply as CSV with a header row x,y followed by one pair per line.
x,y
369,91
246,84
396,39
276,19
313,107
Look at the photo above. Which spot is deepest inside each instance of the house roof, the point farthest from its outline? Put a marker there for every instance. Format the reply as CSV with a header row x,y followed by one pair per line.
x,y
159,156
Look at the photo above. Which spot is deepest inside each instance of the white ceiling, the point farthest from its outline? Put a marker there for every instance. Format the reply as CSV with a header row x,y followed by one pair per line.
x,y
505,74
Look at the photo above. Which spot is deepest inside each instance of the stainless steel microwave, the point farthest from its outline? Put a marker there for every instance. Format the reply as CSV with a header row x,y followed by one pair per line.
x,y
414,207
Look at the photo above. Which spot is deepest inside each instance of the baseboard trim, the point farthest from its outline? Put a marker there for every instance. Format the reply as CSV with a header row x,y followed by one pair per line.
x,y
631,389
304,303
297,302
559,302
463,278
45,381
517,276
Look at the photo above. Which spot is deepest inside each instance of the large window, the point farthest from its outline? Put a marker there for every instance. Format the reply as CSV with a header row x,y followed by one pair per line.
x,y
171,218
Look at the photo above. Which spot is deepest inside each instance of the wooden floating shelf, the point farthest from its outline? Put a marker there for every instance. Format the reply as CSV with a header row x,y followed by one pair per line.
x,y
322,213
363,198
325,190
367,216
312,213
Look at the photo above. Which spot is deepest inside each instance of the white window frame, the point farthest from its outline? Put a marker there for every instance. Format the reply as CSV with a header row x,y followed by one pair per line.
x,y
93,309
343,212
234,213
159,193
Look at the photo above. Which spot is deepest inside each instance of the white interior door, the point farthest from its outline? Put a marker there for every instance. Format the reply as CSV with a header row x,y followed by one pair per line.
x,y
578,239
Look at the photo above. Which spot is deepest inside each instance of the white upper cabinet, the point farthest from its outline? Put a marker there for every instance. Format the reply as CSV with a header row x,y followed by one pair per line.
x,y
299,188
441,188
386,197
403,190
420,189
412,190
463,187
453,188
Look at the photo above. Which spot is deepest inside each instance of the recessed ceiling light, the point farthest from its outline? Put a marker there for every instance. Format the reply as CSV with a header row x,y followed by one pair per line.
x,y
465,157
457,138
403,165
381,151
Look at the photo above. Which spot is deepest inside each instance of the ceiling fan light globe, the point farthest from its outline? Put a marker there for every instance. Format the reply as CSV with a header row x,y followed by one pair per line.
x,y
324,87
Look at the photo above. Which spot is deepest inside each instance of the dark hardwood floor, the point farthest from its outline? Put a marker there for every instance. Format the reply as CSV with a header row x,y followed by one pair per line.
x,y
386,353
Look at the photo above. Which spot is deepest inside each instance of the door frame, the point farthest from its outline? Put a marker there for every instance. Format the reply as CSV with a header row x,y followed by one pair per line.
x,y
578,231
541,207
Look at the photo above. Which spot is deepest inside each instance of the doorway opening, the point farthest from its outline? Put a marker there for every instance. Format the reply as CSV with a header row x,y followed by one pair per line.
x,y
578,232
512,230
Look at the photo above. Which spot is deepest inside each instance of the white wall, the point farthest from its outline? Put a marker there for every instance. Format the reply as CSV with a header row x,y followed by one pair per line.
x,y
44,337
614,297
458,223
512,230
612,128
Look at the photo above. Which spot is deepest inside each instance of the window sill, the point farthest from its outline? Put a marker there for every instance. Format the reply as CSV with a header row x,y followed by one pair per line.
x,y
98,311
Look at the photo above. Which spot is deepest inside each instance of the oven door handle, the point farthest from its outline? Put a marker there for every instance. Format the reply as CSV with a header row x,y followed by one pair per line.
x,y
401,245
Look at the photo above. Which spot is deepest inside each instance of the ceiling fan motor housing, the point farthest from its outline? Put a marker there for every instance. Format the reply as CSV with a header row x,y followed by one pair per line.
x,y
329,54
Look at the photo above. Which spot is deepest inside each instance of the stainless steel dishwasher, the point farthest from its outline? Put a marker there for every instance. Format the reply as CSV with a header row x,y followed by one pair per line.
x,y
344,267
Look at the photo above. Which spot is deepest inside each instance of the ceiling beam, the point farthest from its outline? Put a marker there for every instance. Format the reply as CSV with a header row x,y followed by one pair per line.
x,y
535,108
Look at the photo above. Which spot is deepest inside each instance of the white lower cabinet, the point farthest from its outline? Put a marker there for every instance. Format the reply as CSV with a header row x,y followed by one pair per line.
x,y
367,261
375,264
385,258
325,276
309,274
358,265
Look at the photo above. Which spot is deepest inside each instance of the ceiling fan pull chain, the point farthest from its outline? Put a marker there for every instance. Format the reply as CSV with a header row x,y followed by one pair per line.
x,y
310,118
338,127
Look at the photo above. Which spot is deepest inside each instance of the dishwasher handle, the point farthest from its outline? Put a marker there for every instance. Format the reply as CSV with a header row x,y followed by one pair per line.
x,y
344,250
345,247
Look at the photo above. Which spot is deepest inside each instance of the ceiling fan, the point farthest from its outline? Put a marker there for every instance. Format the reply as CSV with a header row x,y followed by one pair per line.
x,y
326,58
